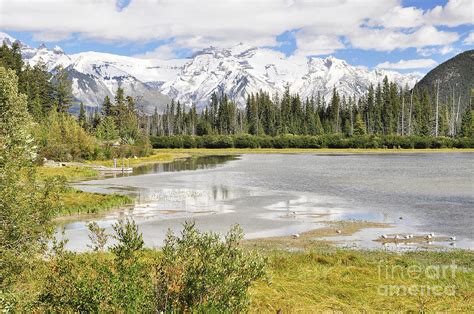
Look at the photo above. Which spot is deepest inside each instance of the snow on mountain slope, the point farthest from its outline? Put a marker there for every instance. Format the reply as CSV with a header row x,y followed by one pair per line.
x,y
237,72
242,70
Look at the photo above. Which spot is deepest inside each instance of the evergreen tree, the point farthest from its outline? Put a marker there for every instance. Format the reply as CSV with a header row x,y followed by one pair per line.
x,y
62,90
359,125
82,117
467,124
107,130
108,109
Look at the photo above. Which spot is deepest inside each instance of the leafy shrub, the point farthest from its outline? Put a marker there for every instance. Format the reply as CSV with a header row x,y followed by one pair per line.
x,y
95,282
308,141
199,272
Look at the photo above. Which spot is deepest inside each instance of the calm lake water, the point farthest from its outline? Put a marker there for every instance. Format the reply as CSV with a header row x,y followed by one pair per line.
x,y
431,192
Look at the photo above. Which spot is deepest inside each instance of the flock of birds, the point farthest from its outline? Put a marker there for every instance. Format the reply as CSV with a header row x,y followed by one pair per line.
x,y
427,237
396,237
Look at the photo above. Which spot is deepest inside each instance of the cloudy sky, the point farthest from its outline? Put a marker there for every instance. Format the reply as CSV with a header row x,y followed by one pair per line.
x,y
403,35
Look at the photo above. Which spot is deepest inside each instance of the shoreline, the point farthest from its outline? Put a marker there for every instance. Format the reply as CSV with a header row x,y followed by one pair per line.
x,y
329,151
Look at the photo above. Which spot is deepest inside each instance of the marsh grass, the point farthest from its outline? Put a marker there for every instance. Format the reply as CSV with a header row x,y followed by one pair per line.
x,y
70,173
354,281
157,157
78,202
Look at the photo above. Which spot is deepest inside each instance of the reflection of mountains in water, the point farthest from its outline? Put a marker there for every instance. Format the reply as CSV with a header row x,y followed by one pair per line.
x,y
192,163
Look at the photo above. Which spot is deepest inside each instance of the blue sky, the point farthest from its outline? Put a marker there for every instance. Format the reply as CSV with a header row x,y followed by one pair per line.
x,y
402,35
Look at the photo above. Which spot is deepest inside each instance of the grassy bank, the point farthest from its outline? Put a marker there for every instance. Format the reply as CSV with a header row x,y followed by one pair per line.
x,y
319,280
308,275
365,281
158,157
236,151
70,173
79,202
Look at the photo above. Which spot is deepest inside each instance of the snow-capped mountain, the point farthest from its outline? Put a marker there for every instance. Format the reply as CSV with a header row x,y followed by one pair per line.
x,y
237,72
242,70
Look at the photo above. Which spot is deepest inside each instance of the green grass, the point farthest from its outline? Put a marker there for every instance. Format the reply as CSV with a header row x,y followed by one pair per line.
x,y
71,173
355,281
157,157
326,280
78,202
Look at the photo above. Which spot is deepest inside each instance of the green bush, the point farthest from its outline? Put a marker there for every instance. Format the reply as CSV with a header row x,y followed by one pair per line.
x,y
97,283
308,141
199,272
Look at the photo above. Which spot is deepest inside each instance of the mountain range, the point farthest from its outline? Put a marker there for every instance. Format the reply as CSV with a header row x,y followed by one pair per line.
x,y
236,71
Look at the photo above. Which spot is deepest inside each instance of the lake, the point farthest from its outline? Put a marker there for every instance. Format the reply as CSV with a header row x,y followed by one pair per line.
x,y
280,194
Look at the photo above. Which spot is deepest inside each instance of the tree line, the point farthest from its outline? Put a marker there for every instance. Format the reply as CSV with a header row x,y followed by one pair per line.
x,y
386,109
119,129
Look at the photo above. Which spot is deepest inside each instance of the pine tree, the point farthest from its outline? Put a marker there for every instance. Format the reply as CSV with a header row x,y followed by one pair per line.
x,y
82,117
108,109
107,130
62,90
467,124
359,126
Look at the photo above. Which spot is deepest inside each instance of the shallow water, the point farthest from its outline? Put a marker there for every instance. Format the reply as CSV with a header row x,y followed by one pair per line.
x,y
280,194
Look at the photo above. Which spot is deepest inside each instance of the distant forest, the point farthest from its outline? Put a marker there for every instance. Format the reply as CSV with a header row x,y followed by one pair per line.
x,y
120,128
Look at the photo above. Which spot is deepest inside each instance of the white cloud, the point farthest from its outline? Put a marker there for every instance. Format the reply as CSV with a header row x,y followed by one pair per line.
x,y
408,64
163,52
429,51
469,40
191,24
50,36
309,44
454,13
399,17
388,40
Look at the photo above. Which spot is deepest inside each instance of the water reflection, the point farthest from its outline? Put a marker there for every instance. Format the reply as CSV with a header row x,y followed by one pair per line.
x,y
273,195
185,164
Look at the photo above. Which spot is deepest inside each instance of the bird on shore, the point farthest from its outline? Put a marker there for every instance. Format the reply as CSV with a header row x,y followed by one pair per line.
x,y
397,237
453,238
384,236
338,231
296,236
428,236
